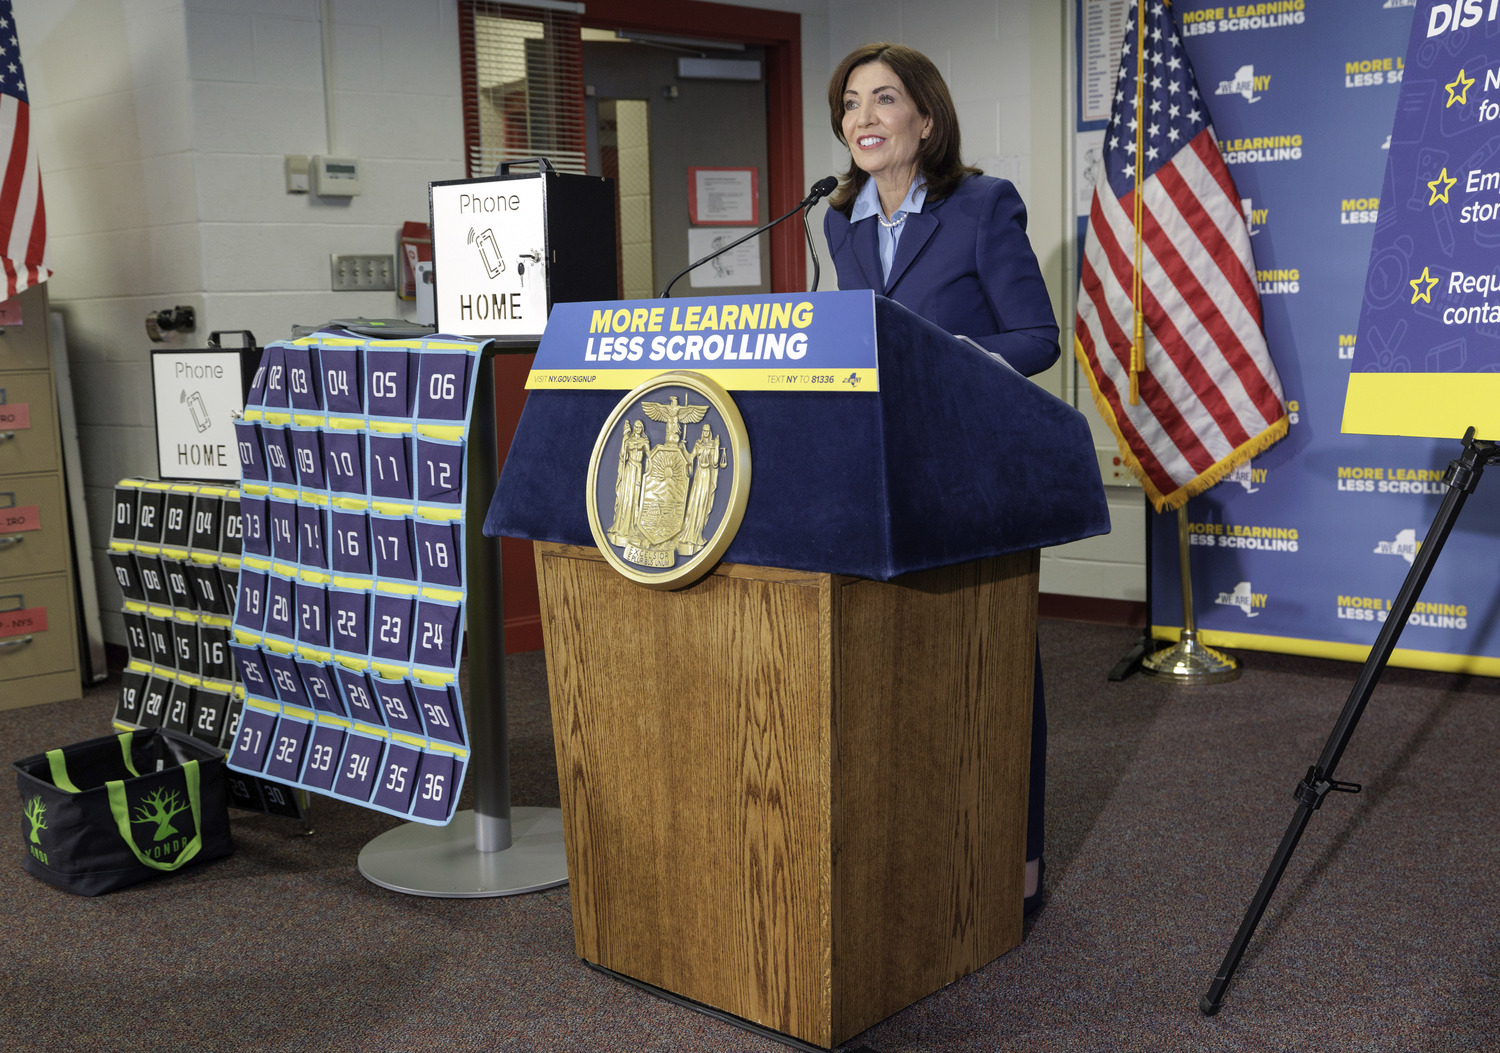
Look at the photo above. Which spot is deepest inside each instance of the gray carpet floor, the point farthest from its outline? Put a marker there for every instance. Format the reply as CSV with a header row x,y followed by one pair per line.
x,y
1164,806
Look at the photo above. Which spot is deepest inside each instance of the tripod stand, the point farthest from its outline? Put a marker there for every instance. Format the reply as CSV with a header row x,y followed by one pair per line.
x,y
1462,478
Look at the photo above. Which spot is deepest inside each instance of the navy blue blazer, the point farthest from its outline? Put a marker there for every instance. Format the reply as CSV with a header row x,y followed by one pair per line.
x,y
964,264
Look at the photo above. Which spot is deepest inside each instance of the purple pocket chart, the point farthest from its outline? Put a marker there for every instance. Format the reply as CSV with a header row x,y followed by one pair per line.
x,y
398,777
349,617
436,634
285,679
280,618
358,768
391,538
317,684
251,664
287,744
302,379
387,383
390,627
343,381
390,466
280,465
439,556
273,361
312,616
282,516
255,525
323,752
252,456
435,787
257,394
307,451
443,386
344,461
440,711
253,742
358,698
312,548
350,551
440,471
397,704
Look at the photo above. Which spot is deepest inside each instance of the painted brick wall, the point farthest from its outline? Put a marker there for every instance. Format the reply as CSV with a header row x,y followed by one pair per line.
x,y
162,126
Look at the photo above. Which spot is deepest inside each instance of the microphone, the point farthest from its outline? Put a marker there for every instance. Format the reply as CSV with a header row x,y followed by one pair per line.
x,y
821,189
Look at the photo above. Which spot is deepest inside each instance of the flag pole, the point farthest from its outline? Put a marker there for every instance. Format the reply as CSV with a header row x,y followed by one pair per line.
x,y
1189,661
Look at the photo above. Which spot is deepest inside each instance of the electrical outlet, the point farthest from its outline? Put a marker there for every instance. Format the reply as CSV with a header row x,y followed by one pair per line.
x,y
364,273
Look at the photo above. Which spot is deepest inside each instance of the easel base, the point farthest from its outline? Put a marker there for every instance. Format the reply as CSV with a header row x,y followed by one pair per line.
x,y
1191,662
444,862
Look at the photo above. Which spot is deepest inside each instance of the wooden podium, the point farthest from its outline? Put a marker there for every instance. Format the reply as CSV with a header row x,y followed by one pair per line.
x,y
796,797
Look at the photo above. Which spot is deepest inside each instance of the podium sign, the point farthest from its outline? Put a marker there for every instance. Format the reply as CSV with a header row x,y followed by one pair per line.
x,y
782,342
1427,361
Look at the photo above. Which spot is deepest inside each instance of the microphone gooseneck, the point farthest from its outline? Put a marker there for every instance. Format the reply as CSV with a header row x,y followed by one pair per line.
x,y
821,189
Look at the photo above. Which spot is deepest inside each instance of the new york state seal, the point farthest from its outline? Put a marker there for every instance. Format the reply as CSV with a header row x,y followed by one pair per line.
x,y
668,480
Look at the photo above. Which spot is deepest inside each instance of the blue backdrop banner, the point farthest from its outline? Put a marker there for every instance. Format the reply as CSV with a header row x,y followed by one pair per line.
x,y
1303,550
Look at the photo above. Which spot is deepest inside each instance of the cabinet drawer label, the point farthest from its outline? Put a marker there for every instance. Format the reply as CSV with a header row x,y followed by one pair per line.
x,y
15,520
15,416
26,620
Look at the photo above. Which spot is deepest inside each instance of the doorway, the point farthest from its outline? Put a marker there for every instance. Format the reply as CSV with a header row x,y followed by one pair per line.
x,y
654,126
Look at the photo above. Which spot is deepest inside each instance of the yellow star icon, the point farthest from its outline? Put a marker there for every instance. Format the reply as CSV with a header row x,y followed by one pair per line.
x,y
1456,93
1447,185
1422,294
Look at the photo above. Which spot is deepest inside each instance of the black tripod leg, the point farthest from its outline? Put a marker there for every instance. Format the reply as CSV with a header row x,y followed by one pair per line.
x,y
1462,478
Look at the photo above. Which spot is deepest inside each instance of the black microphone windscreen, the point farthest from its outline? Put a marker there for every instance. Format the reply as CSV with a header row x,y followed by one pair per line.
x,y
823,187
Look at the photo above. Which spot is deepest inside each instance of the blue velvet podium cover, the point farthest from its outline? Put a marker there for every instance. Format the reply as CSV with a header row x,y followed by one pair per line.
x,y
956,458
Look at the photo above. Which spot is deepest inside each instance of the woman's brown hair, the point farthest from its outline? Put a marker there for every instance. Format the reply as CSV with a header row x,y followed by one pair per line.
x,y
939,161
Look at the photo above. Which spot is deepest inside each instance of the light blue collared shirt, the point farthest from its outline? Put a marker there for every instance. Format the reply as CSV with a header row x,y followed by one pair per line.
x,y
868,204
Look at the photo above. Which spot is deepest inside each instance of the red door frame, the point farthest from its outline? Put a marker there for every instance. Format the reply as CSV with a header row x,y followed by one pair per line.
x,y
780,33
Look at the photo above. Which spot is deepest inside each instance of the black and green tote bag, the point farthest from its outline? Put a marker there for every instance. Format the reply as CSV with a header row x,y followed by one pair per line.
x,y
114,811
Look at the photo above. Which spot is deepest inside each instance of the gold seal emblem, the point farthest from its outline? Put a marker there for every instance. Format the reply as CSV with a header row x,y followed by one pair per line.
x,y
668,480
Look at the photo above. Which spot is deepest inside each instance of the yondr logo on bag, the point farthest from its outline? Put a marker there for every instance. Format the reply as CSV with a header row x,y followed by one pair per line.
x,y
155,814
36,814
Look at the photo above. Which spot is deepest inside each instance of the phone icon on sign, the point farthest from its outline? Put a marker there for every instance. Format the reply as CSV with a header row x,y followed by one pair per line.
x,y
489,251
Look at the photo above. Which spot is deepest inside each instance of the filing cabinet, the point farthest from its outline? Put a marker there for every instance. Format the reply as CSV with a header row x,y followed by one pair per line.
x,y
39,648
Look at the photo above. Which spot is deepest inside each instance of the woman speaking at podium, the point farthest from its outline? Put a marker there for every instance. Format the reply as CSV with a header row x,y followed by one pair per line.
x,y
911,221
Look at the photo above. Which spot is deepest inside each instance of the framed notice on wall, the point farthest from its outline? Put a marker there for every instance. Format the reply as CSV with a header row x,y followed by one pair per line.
x,y
199,394
724,197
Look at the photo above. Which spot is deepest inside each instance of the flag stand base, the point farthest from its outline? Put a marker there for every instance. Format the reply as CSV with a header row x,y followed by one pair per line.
x,y
1190,661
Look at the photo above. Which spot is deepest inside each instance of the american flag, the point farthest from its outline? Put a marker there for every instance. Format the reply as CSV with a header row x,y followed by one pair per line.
x,y
1169,322
23,219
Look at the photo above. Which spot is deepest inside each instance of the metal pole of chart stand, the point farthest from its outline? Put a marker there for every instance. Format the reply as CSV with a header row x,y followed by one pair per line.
x,y
493,850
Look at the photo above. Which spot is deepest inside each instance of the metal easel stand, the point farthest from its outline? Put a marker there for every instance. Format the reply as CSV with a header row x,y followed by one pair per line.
x,y
492,850
1189,661
1462,479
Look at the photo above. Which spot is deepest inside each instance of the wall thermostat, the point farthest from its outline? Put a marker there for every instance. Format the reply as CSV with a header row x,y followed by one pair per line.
x,y
334,176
